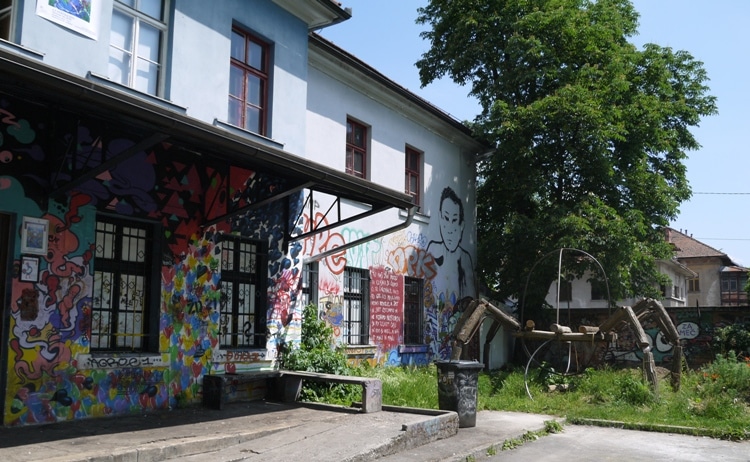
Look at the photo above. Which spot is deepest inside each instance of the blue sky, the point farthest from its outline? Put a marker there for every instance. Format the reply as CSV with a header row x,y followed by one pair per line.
x,y
383,34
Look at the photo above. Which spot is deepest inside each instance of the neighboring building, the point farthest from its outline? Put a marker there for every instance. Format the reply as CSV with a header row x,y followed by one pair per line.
x,y
177,181
718,281
700,276
588,292
706,293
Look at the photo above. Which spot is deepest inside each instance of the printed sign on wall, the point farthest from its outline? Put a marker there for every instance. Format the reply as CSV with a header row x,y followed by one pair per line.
x,y
386,307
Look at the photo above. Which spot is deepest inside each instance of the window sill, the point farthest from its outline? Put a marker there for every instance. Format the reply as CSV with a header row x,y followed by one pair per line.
x,y
119,360
248,134
418,217
413,349
20,49
360,351
105,81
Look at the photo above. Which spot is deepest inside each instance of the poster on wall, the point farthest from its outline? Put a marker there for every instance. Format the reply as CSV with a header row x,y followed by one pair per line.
x,y
34,235
386,307
29,269
81,16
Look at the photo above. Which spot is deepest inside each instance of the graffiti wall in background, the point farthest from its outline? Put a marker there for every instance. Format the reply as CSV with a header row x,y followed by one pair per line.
x,y
436,254
695,326
52,374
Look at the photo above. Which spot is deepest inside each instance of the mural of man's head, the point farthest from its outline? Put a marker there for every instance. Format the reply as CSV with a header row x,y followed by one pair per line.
x,y
451,219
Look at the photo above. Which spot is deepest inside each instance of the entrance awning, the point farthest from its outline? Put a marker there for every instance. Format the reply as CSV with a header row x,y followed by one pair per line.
x,y
156,121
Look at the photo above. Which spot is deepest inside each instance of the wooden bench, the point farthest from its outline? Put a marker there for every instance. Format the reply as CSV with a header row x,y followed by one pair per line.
x,y
217,388
286,386
372,389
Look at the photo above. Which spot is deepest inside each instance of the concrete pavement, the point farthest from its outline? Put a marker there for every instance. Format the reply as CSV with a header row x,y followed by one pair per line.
x,y
261,430
584,443
265,430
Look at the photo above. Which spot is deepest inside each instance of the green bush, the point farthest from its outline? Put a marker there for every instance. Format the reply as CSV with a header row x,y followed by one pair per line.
x,y
728,376
634,390
735,337
317,353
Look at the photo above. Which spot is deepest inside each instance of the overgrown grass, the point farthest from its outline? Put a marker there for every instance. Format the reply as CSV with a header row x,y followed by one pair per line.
x,y
712,401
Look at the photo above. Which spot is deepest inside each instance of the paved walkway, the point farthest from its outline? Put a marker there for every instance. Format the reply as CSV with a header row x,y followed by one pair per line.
x,y
260,430
269,431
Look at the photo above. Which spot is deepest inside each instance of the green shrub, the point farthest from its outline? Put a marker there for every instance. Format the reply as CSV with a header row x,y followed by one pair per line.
x,y
597,386
634,390
729,376
317,353
735,337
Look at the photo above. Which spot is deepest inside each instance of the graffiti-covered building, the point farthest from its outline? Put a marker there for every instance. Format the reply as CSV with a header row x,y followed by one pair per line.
x,y
177,181
390,300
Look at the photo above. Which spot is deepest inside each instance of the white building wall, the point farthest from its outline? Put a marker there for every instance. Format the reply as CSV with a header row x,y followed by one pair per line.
x,y
581,288
418,250
196,68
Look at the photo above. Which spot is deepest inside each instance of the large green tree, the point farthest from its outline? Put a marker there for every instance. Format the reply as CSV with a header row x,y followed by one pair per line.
x,y
590,133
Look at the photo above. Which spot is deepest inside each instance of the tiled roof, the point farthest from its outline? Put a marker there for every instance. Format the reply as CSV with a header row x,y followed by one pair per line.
x,y
687,247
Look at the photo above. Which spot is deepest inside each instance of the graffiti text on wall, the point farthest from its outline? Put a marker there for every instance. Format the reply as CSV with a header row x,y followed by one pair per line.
x,y
321,242
87,361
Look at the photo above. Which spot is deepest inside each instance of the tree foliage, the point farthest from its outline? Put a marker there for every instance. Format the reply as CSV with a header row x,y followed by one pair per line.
x,y
590,134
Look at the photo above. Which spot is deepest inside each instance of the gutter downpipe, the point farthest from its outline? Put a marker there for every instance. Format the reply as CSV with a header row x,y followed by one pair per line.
x,y
342,248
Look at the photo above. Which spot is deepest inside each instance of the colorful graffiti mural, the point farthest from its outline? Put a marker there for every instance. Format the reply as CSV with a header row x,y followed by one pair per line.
x,y
52,374
443,264
695,326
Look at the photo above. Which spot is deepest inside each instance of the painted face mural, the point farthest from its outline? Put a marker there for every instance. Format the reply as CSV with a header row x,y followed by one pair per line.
x,y
455,268
451,223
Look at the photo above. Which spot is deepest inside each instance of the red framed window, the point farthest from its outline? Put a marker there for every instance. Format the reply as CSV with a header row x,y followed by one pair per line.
x,y
248,82
356,149
412,177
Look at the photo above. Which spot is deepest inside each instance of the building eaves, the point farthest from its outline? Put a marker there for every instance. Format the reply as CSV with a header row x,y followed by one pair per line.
x,y
356,64
317,13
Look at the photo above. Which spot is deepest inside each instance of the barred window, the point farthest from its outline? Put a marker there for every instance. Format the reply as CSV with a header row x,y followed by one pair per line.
x,y
242,306
357,306
122,294
310,284
413,309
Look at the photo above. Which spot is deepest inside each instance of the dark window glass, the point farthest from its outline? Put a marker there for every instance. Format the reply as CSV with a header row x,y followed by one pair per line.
x,y
242,307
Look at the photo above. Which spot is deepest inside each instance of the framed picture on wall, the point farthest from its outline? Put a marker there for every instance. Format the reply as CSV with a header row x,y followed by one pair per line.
x,y
34,235
29,268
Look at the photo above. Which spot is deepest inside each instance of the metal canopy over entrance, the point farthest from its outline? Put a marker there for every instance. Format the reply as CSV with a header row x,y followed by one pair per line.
x,y
150,121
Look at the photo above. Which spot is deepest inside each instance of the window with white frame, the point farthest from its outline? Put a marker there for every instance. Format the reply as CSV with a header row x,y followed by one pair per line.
x,y
136,44
248,82
6,19
122,299
694,284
